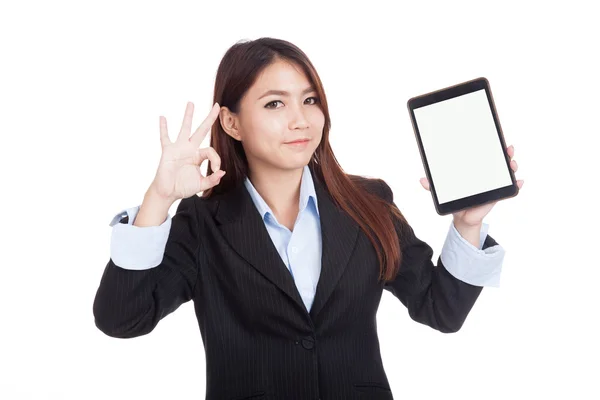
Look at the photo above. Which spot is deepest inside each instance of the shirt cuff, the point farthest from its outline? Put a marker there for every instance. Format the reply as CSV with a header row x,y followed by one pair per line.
x,y
476,266
136,247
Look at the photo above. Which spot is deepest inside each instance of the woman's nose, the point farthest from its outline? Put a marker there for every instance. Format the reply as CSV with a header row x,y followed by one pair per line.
x,y
298,119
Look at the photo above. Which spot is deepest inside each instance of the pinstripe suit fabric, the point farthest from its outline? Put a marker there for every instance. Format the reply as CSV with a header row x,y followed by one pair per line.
x,y
260,340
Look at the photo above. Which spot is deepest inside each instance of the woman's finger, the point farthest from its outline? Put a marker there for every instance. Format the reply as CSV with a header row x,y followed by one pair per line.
x,y
212,180
205,126
210,154
186,126
511,151
215,177
164,134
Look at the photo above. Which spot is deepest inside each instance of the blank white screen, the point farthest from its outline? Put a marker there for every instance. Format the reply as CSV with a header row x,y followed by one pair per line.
x,y
462,147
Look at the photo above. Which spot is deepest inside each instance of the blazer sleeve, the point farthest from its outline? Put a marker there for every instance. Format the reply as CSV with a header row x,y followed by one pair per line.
x,y
131,302
431,294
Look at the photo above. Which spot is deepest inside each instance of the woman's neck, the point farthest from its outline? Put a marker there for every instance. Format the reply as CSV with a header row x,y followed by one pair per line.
x,y
279,188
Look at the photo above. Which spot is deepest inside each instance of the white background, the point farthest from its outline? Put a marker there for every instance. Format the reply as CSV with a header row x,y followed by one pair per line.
x,y
82,85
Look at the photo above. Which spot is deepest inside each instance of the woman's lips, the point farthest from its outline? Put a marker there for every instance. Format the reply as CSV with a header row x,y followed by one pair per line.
x,y
298,144
298,141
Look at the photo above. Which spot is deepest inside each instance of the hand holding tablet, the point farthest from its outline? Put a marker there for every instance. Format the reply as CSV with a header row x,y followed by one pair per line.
x,y
467,163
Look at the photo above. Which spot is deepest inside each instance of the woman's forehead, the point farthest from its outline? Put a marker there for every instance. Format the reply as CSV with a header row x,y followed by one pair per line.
x,y
281,76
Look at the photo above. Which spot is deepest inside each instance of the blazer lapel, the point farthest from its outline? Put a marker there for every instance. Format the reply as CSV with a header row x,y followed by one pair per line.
x,y
244,229
338,233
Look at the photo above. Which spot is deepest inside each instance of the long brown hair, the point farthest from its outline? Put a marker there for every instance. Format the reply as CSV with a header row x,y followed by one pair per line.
x,y
237,71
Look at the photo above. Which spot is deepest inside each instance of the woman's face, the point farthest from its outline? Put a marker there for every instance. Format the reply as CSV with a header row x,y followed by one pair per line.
x,y
281,107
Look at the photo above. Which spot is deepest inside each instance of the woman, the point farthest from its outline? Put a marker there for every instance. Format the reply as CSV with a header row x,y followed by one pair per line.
x,y
284,255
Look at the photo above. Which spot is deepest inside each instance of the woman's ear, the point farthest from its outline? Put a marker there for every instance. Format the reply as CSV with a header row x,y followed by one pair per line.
x,y
230,123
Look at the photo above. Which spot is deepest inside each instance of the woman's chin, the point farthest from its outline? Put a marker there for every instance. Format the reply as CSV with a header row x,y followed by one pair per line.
x,y
294,163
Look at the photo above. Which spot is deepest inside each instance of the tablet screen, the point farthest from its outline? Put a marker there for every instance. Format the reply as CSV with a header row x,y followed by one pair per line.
x,y
462,146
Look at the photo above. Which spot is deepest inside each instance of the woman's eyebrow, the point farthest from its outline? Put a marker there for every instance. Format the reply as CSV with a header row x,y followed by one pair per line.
x,y
284,93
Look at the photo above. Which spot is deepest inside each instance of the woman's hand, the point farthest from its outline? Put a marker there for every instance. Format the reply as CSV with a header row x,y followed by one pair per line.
x,y
474,216
178,175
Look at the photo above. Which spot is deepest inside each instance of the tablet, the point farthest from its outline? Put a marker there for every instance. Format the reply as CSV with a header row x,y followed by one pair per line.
x,y
462,146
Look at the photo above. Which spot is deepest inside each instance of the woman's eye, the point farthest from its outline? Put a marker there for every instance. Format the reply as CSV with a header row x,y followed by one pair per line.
x,y
315,100
272,102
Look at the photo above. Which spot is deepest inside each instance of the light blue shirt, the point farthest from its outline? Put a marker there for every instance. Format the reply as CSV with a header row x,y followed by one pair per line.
x,y
301,248
134,247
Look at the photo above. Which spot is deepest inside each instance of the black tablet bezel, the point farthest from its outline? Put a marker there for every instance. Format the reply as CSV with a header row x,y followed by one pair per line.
x,y
445,94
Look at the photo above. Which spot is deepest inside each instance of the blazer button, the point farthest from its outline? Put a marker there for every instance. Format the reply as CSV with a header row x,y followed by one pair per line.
x,y
308,342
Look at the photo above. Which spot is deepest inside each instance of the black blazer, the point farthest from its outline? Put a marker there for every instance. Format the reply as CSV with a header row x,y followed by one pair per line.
x,y
260,341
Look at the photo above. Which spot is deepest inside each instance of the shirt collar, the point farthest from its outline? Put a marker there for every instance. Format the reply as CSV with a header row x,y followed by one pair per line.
x,y
307,192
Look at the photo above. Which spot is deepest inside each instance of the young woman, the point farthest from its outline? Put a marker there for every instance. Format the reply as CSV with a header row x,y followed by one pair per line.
x,y
284,255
